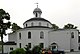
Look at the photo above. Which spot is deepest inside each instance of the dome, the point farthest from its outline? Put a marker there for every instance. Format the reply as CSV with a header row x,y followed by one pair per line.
x,y
37,19
37,10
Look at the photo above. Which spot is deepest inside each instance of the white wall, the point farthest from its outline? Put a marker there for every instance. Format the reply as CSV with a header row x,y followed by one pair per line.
x,y
7,48
64,40
12,37
74,41
35,37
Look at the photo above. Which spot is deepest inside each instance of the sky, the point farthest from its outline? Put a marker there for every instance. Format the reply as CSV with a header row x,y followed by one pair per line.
x,y
59,12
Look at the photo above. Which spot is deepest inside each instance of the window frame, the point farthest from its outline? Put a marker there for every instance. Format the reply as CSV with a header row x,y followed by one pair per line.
x,y
39,23
20,35
42,45
72,34
29,44
11,48
20,45
29,35
41,35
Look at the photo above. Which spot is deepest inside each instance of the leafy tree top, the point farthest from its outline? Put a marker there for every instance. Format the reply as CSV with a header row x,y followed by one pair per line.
x,y
70,26
54,26
15,27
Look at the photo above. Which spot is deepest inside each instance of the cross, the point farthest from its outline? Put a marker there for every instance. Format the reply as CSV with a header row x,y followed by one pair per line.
x,y
37,4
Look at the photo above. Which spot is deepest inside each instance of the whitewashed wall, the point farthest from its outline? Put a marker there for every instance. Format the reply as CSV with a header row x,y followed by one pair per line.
x,y
12,37
64,40
7,48
35,37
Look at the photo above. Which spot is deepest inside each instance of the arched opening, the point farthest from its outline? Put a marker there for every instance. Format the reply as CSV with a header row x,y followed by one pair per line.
x,y
42,35
29,35
39,23
32,24
54,46
36,15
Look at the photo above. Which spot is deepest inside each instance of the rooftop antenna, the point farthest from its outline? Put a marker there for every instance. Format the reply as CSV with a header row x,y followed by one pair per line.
x,y
37,4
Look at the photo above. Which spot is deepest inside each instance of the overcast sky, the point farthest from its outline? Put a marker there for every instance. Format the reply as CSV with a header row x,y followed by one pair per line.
x,y
59,12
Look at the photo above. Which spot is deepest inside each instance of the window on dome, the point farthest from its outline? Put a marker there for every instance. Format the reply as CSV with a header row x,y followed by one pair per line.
x,y
29,35
32,24
26,25
47,25
36,15
39,23
42,35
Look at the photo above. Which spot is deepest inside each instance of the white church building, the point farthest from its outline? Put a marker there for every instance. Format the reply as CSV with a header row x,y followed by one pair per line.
x,y
38,30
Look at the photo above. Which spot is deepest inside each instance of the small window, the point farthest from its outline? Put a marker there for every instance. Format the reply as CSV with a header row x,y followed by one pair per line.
x,y
72,50
42,35
19,35
32,24
36,15
29,35
79,47
39,23
26,25
29,45
42,45
72,35
47,25
11,48
79,39
20,45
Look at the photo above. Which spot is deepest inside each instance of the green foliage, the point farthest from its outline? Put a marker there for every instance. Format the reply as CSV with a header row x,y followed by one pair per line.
x,y
18,51
27,48
54,26
70,26
36,49
4,26
15,27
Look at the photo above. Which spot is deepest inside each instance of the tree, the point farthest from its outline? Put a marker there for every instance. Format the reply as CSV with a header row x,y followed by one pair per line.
x,y
54,26
18,51
4,26
36,49
15,27
27,48
70,26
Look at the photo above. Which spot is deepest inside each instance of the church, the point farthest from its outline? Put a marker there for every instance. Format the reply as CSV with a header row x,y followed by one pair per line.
x,y
39,31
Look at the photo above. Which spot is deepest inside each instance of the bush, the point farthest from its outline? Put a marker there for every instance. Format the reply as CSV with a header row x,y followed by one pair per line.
x,y
18,51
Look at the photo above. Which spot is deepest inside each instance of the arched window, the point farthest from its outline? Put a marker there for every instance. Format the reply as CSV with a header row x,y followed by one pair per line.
x,y
26,25
39,23
42,35
29,35
72,35
47,25
32,24
36,14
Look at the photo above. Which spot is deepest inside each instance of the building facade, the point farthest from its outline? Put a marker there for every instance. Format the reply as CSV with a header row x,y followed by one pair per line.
x,y
39,31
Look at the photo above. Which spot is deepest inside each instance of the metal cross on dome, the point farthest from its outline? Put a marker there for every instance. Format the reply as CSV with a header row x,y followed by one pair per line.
x,y
37,4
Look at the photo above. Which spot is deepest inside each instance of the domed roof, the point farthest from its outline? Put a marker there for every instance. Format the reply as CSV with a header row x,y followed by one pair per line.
x,y
37,19
37,10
